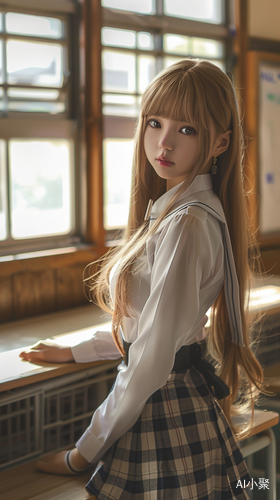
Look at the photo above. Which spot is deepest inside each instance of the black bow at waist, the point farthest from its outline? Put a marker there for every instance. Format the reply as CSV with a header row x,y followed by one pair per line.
x,y
188,356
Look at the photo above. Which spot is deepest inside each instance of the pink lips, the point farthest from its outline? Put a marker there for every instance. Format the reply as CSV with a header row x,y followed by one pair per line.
x,y
164,162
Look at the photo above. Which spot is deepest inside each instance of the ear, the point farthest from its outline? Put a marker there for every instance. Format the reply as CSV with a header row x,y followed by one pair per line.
x,y
222,143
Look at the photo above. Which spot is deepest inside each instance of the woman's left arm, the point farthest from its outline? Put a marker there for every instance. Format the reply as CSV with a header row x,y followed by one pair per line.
x,y
183,260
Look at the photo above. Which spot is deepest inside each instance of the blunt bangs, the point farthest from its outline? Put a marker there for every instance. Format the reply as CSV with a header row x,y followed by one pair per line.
x,y
176,95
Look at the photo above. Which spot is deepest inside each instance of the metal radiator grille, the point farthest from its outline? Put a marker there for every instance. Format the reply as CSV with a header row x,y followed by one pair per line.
x,y
68,413
19,429
51,416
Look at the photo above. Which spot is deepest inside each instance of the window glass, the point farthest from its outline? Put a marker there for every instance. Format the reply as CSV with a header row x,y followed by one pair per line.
x,y
118,72
1,61
120,105
40,172
203,47
167,61
143,7
117,177
145,41
1,99
34,63
118,38
146,71
208,11
176,44
24,24
33,100
3,225
1,21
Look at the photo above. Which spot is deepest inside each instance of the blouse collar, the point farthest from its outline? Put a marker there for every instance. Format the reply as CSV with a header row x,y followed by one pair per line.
x,y
200,183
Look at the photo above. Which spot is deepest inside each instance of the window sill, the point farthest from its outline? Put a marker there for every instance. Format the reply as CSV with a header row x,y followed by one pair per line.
x,y
66,328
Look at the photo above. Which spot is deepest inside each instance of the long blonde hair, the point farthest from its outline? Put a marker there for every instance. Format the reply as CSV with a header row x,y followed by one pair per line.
x,y
197,92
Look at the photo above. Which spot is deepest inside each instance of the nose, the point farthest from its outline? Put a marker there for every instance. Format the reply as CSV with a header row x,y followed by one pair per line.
x,y
165,140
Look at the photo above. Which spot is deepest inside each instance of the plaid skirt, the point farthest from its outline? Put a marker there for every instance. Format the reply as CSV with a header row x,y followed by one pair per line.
x,y
181,447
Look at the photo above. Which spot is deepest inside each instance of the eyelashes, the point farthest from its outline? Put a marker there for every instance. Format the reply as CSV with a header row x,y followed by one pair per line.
x,y
154,123
189,130
186,130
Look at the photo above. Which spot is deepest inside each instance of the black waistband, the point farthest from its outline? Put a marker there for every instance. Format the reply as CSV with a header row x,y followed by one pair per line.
x,y
188,356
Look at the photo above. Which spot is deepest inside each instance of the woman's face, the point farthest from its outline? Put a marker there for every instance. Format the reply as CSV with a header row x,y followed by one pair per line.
x,y
172,148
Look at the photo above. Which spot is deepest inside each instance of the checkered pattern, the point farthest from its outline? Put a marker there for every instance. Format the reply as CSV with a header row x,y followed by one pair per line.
x,y
180,448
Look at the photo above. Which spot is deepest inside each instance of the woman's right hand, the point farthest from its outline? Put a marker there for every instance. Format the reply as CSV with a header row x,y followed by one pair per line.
x,y
47,352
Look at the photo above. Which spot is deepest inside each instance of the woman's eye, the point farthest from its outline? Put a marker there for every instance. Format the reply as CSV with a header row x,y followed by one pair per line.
x,y
154,123
187,130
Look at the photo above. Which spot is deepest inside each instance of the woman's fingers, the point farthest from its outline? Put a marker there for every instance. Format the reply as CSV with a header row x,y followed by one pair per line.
x,y
47,353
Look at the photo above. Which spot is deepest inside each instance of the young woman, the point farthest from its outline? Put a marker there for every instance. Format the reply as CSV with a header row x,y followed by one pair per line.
x,y
161,434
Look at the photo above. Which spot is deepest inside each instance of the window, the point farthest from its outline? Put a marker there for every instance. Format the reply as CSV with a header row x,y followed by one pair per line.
x,y
38,143
138,40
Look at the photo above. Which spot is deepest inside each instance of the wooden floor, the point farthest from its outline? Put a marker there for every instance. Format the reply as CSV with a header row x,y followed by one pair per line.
x,y
27,483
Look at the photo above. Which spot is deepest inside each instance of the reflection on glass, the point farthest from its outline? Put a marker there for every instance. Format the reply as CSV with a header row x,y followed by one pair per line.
x,y
143,7
145,40
24,24
1,62
3,204
146,71
120,105
117,181
118,38
176,44
118,72
41,180
31,63
203,47
207,11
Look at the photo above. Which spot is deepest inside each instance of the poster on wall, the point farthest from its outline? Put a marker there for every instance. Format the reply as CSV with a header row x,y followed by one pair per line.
x,y
269,147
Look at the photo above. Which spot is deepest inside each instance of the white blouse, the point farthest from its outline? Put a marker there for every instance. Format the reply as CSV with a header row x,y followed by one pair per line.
x,y
176,280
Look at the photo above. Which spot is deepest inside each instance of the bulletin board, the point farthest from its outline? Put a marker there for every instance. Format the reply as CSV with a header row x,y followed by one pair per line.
x,y
262,126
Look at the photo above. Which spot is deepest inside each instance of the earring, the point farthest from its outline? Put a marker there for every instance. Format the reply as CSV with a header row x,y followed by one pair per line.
x,y
214,166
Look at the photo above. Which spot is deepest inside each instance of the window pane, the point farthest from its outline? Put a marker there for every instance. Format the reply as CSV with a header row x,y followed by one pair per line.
x,y
29,100
145,40
118,38
208,11
41,182
1,99
117,180
143,7
202,47
1,21
146,71
118,72
36,106
3,225
176,44
33,93
167,61
1,62
33,25
34,63
120,105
